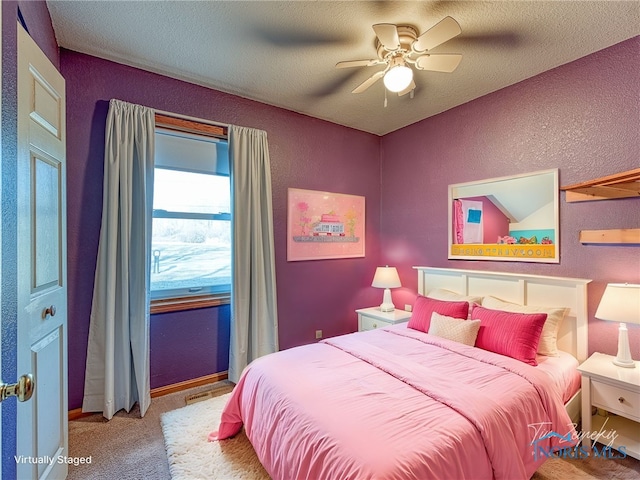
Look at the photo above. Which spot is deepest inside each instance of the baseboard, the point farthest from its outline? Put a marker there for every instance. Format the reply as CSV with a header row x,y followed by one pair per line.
x,y
196,382
166,390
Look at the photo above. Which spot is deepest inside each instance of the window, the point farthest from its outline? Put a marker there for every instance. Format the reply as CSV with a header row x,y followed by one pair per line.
x,y
191,242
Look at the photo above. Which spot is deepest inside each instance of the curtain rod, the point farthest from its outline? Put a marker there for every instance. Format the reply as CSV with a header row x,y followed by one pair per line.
x,y
193,119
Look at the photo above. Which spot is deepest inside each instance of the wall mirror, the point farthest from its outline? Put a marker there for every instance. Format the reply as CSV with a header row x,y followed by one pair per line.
x,y
511,218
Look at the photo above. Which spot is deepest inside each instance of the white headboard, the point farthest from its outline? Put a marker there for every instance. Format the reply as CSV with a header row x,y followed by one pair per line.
x,y
523,289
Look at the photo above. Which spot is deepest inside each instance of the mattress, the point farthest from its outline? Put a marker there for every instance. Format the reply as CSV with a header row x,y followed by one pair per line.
x,y
563,371
394,403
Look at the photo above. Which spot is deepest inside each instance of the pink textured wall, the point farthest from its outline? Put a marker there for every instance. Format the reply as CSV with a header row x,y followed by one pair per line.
x,y
582,118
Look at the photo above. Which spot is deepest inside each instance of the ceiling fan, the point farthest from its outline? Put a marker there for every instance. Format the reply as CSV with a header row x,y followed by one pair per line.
x,y
399,46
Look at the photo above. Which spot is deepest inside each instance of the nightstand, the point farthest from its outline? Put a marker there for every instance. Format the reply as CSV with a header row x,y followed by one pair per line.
x,y
616,390
372,318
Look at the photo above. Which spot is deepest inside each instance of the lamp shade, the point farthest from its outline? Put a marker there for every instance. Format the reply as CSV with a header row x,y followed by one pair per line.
x,y
620,303
386,277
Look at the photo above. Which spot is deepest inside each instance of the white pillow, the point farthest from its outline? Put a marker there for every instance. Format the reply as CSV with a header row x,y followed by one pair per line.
x,y
549,338
461,331
449,296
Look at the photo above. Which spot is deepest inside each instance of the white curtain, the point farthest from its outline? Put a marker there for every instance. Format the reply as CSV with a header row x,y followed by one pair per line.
x,y
117,370
254,320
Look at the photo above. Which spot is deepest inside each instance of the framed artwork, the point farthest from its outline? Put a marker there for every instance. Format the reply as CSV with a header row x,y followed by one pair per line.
x,y
322,225
511,218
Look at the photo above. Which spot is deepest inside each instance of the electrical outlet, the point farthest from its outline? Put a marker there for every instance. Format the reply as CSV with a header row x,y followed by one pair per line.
x,y
318,334
408,308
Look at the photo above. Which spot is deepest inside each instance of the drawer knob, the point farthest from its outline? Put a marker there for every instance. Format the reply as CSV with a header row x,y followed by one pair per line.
x,y
621,399
375,325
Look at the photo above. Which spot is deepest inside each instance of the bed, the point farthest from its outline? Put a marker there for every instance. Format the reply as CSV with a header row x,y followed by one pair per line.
x,y
401,403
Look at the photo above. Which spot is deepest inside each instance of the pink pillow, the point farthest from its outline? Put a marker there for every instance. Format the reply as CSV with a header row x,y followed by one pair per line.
x,y
515,335
424,307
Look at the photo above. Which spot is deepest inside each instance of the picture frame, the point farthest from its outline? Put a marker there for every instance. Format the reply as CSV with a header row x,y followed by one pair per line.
x,y
324,225
509,219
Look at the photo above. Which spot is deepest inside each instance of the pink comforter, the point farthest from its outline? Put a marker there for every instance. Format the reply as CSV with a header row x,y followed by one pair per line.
x,y
394,403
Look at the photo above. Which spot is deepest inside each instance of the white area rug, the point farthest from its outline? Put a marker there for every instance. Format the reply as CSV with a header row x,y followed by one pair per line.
x,y
192,457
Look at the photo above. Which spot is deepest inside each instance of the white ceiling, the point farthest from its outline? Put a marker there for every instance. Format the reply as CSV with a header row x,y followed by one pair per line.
x,y
284,53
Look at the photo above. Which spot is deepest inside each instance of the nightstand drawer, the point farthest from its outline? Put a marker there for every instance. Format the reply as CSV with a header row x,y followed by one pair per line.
x,y
367,323
372,318
616,400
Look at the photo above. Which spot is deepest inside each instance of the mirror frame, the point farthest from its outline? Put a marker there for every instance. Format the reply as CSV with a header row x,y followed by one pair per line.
x,y
507,252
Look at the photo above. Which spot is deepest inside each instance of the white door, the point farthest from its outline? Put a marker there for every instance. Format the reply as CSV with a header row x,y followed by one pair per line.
x,y
42,264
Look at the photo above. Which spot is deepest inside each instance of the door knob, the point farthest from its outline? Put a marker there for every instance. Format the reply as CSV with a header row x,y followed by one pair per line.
x,y
49,311
23,389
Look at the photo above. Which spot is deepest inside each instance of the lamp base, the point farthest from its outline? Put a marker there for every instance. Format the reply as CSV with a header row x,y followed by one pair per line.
x,y
623,358
623,363
387,305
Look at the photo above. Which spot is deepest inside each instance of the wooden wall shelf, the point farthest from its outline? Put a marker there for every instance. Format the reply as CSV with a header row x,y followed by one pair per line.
x,y
621,185
617,236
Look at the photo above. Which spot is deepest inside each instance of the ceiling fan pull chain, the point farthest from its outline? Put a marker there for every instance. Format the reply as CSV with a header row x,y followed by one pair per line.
x,y
385,98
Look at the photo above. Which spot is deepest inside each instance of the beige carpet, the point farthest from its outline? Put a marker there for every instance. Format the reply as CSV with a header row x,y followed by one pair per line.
x,y
589,469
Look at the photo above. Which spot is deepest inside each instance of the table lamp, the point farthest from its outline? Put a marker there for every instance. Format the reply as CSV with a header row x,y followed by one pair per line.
x,y
621,303
386,277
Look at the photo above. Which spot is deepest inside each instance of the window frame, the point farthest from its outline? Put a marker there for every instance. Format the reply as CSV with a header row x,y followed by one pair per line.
x,y
209,299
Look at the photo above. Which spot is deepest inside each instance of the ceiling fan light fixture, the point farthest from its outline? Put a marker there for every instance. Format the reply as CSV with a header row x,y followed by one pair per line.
x,y
401,49
398,78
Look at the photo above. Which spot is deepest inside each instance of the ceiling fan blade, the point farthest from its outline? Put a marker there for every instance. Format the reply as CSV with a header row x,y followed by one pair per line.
x,y
410,88
369,81
357,63
443,62
295,37
387,33
442,31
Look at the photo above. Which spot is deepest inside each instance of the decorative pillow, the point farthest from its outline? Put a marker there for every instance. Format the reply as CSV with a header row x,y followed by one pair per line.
x,y
515,335
461,331
549,338
424,307
449,296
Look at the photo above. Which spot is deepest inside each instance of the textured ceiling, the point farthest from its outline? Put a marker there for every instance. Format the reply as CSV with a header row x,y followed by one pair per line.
x,y
284,53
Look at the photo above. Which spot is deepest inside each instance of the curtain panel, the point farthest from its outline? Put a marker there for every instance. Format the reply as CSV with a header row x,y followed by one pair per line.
x,y
117,369
254,322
